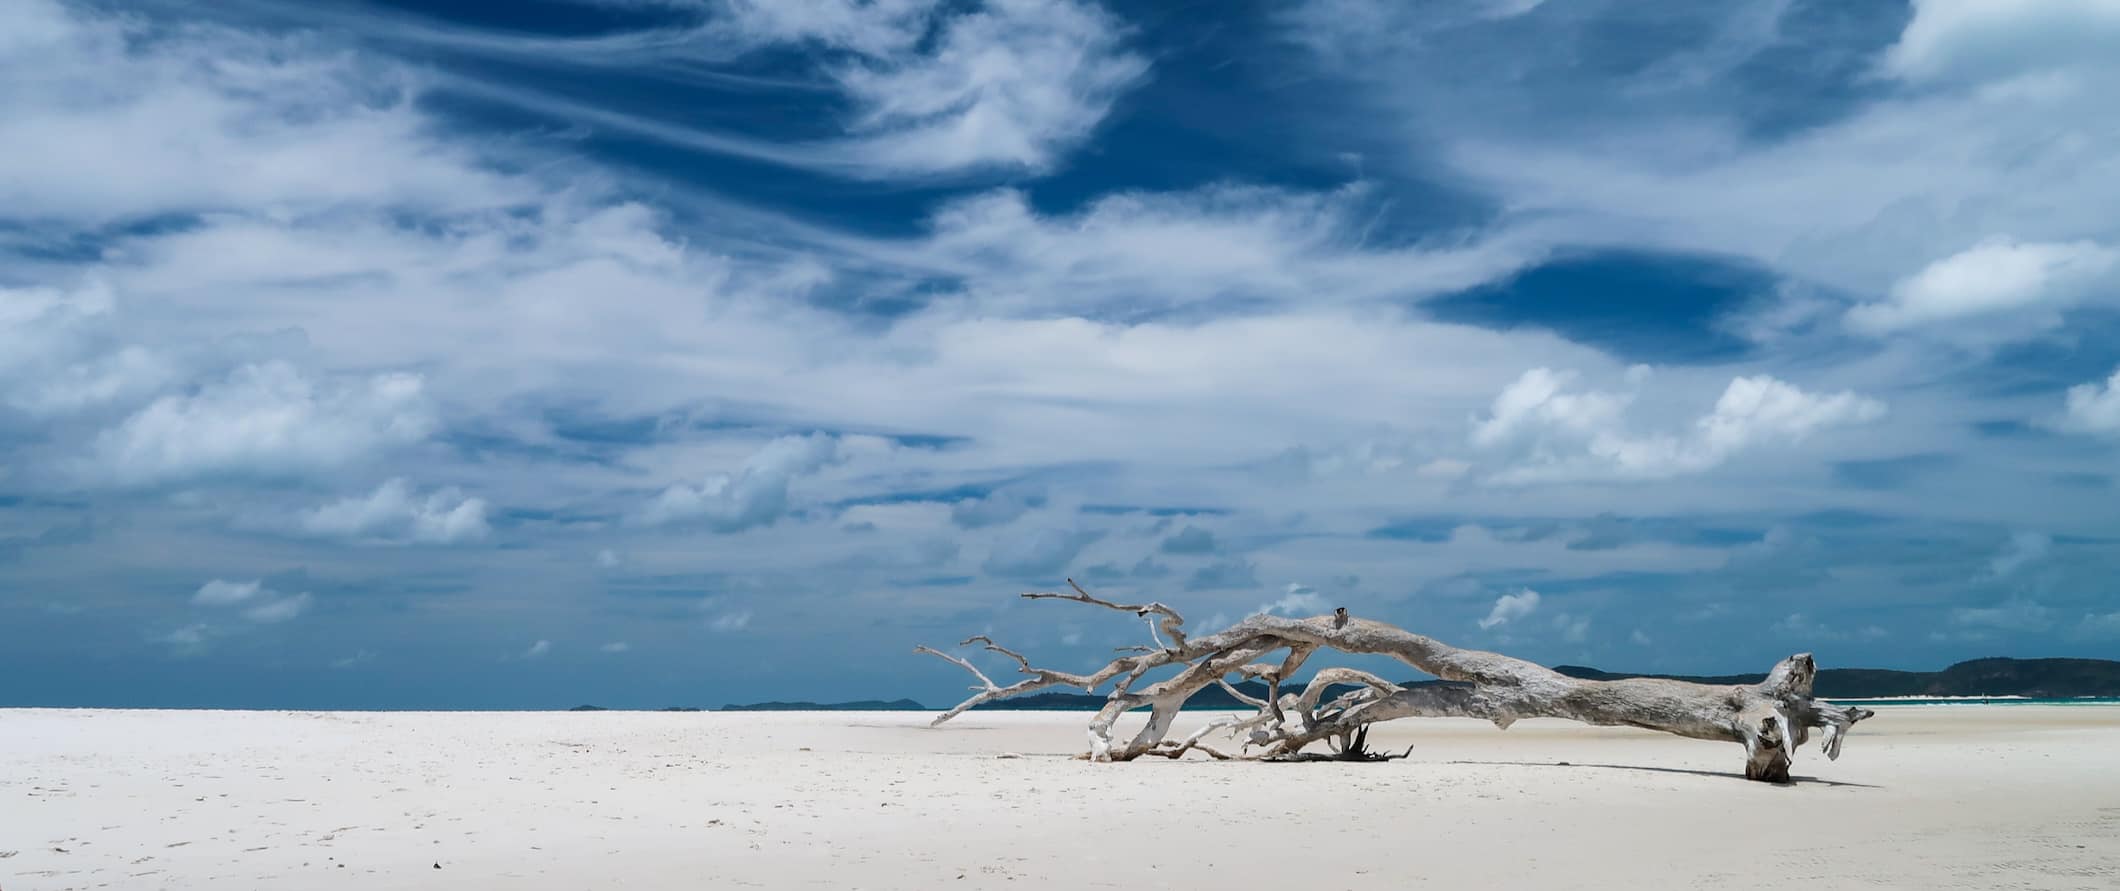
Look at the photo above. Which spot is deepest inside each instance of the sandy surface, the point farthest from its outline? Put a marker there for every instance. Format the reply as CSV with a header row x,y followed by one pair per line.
x,y
1924,797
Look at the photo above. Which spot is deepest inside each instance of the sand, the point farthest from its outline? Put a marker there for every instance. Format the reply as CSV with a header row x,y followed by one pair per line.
x,y
1924,797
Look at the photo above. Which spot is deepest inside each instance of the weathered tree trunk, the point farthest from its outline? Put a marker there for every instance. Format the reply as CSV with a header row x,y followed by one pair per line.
x,y
1770,719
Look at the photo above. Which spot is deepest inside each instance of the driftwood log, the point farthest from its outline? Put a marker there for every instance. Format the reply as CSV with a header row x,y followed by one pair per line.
x,y
1770,718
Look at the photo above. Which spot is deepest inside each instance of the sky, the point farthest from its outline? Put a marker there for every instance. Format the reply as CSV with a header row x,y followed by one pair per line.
x,y
455,354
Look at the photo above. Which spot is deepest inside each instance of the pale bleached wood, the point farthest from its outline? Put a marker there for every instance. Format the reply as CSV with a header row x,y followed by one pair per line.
x,y
1769,719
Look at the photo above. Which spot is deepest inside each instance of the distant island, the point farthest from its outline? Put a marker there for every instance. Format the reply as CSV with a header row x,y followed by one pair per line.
x,y
1998,676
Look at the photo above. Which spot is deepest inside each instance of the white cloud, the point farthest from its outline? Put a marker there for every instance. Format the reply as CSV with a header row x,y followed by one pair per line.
x,y
1296,600
1994,277
1967,39
1991,120
225,593
538,650
1135,252
264,419
189,639
607,559
1760,409
109,117
616,646
1016,84
1638,638
755,495
930,88
1537,403
56,354
2095,407
278,610
736,620
1546,432
393,512
1509,608
260,605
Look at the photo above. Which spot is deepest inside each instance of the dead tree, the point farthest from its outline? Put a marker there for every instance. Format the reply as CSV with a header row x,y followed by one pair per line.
x,y
1770,718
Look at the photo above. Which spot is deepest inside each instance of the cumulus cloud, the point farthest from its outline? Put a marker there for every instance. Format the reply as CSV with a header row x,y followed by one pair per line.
x,y
187,640
259,604
1509,608
394,512
2094,407
278,609
1546,431
1994,277
538,650
224,593
249,601
756,494
1296,600
265,419
616,646
60,352
1538,401
735,620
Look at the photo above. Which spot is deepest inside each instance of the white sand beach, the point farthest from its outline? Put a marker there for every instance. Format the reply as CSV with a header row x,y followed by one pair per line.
x,y
1924,797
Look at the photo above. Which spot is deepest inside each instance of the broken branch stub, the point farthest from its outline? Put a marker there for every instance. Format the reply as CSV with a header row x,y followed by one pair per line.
x,y
1770,719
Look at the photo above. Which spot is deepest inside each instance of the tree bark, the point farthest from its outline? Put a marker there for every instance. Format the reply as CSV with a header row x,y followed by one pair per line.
x,y
1770,719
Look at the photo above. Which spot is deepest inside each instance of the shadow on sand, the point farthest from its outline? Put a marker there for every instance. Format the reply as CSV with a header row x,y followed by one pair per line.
x,y
1795,780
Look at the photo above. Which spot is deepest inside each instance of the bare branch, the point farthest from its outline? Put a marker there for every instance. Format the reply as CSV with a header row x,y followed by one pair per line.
x,y
961,663
1172,623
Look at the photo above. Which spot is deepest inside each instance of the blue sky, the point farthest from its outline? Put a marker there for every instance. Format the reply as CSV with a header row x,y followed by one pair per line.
x,y
650,352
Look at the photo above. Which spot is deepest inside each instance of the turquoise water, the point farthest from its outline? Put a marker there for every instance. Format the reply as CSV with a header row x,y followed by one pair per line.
x,y
2075,700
